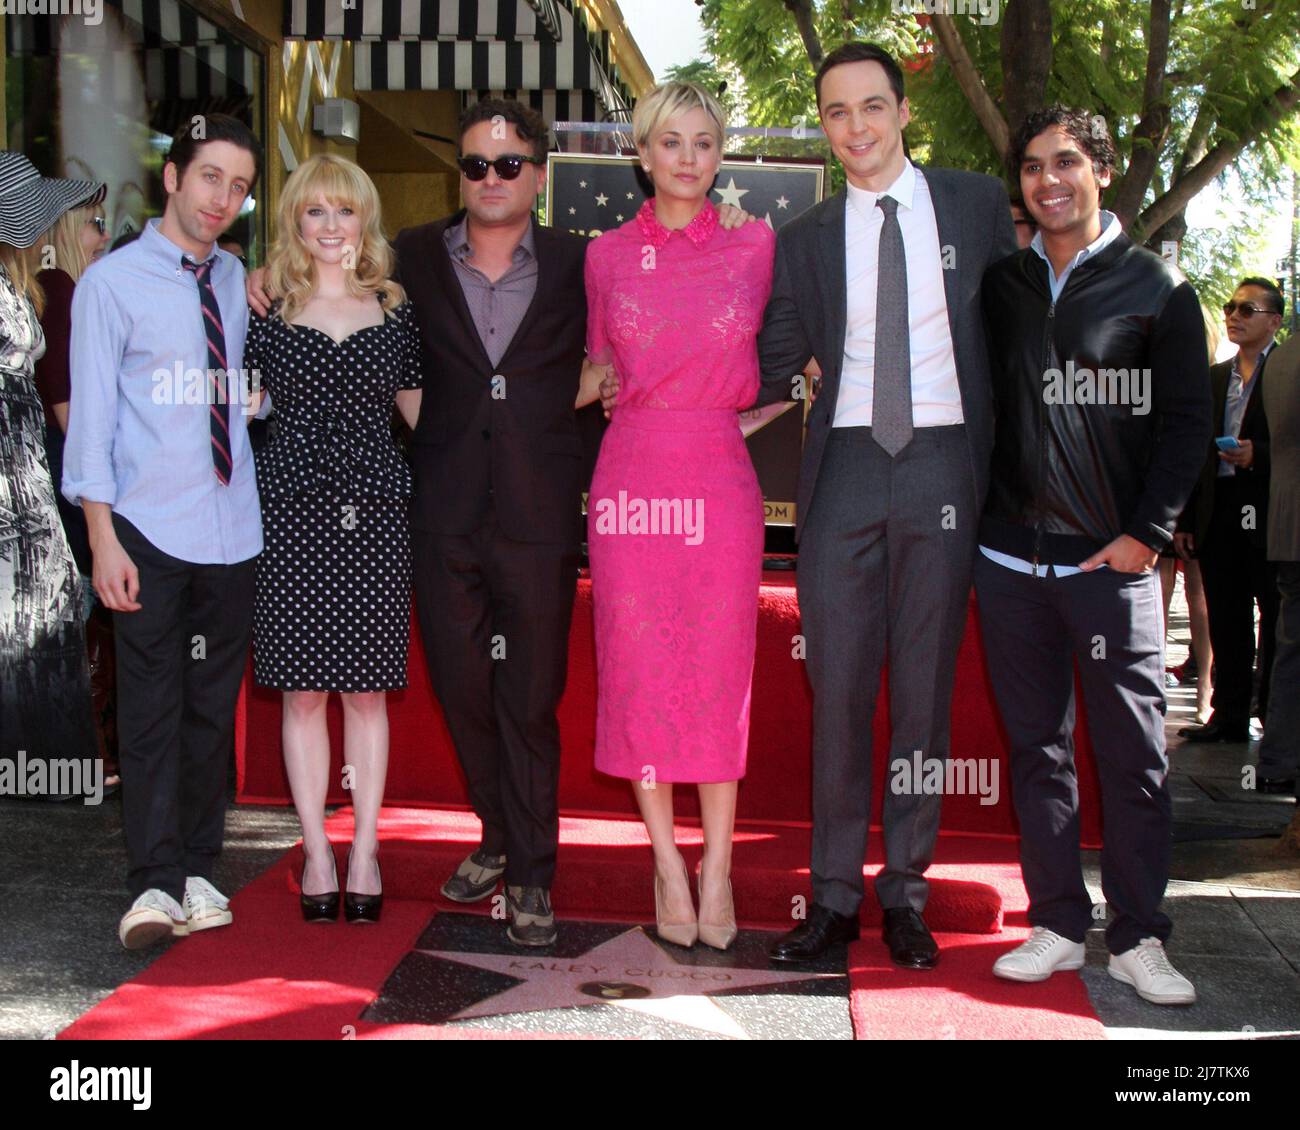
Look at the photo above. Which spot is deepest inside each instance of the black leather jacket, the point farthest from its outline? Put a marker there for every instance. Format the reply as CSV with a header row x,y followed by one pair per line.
x,y
1102,401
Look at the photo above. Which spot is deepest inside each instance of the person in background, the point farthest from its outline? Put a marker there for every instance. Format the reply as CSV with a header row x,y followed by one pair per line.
x,y
1199,664
44,681
165,475
76,240
338,350
1026,227
1227,517
1279,751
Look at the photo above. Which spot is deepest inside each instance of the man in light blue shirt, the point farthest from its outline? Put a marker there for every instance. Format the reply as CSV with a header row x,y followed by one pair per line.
x,y
158,456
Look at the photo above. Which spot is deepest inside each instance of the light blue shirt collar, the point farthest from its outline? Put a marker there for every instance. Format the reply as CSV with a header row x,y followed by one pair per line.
x,y
1110,231
165,251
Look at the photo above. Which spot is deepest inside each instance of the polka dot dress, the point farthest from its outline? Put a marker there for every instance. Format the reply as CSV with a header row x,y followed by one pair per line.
x,y
332,610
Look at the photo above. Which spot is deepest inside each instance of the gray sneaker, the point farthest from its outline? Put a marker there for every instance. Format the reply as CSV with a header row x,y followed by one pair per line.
x,y
475,878
532,922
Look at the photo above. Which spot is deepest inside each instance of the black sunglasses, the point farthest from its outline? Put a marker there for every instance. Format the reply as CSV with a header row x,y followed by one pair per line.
x,y
508,166
1247,309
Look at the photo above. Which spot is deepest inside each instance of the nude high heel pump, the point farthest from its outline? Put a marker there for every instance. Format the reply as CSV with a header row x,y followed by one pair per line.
x,y
679,933
718,935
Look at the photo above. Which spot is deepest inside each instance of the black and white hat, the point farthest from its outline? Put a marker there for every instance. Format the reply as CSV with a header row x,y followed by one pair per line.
x,y
30,203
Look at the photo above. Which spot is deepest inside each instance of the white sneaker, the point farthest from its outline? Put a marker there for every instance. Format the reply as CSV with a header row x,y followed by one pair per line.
x,y
1146,967
1038,958
205,906
155,915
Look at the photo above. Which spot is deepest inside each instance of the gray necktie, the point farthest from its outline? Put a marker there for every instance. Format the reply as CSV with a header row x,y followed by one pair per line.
x,y
891,404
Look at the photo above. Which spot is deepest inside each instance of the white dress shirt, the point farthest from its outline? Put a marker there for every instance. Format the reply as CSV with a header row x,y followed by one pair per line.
x,y
936,396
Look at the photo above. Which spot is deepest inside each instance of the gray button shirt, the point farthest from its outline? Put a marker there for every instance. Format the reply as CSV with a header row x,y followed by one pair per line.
x,y
496,307
1234,404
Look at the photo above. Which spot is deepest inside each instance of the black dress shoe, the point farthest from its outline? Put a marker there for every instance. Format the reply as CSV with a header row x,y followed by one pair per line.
x,y
1215,732
909,939
822,929
1278,786
362,908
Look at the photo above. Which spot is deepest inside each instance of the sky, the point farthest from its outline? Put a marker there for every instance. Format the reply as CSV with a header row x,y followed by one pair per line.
x,y
667,31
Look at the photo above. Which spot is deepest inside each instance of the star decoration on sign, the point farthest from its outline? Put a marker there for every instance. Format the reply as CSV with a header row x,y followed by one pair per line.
x,y
631,196
582,184
629,971
573,211
782,203
619,217
602,199
731,194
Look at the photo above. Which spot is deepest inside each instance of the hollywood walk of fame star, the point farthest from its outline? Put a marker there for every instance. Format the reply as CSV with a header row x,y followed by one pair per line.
x,y
602,199
731,194
782,203
629,971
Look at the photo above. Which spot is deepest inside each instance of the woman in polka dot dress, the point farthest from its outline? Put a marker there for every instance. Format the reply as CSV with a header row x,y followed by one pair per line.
x,y
333,602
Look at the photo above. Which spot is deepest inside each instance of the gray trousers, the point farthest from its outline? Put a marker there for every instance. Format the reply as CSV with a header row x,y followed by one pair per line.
x,y
884,569
1279,752
1035,629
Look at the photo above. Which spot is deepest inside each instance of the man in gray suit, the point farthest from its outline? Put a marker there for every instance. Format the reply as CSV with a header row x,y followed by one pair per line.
x,y
881,284
1279,752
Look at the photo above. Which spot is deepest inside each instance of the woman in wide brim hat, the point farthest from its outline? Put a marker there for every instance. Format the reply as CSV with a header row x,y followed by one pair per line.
x,y
44,679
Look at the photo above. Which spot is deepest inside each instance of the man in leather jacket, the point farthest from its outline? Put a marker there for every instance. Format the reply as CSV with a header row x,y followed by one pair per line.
x,y
1101,389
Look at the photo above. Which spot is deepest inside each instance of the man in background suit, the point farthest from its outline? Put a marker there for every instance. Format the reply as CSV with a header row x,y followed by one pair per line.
x,y
1279,752
1229,518
881,285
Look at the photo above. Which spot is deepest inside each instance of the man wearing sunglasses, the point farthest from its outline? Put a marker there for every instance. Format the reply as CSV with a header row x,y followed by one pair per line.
x,y
1225,524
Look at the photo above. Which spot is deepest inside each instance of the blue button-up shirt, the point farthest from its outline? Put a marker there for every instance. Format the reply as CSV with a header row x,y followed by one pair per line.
x,y
138,427
1110,231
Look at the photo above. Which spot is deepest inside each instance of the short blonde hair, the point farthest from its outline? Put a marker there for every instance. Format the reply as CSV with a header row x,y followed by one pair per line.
x,y
291,271
65,237
654,110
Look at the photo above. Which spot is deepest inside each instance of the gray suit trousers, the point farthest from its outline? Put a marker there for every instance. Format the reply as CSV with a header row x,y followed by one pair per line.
x,y
884,570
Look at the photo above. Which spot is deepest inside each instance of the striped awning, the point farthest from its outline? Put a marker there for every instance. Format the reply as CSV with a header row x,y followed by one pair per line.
x,y
398,20
578,62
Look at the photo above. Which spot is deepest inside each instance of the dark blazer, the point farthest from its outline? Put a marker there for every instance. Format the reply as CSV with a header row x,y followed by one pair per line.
x,y
518,449
807,313
1254,479
1281,403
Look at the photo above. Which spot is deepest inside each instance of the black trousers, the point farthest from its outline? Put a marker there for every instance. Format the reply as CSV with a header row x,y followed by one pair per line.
x,y
884,571
1237,574
1035,629
494,618
1279,752
180,661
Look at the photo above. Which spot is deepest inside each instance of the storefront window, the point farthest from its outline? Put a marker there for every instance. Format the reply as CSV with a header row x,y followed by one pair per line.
x,y
101,99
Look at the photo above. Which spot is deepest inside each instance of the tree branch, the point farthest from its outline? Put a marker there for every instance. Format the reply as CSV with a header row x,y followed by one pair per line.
x,y
1281,102
968,78
1026,49
804,20
1149,135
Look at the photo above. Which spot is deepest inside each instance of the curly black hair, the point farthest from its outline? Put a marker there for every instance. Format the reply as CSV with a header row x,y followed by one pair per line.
x,y
1088,130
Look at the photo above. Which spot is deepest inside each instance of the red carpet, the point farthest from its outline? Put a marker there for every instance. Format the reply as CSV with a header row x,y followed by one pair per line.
x,y
423,768
271,976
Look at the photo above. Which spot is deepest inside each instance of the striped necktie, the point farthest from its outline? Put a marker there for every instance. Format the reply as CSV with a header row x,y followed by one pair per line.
x,y
218,401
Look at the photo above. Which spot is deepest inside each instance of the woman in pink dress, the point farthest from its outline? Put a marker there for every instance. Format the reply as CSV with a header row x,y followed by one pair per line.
x,y
675,515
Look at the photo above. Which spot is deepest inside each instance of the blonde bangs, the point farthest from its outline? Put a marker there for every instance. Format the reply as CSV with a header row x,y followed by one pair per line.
x,y
342,184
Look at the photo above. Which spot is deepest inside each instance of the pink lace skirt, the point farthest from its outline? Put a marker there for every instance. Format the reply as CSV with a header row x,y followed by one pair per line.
x,y
675,529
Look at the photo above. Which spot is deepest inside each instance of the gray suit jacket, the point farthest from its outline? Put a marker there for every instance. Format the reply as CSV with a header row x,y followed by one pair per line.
x,y
1281,394
808,311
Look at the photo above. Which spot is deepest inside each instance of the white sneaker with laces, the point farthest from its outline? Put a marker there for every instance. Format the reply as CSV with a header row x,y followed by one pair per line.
x,y
1041,955
155,915
1146,967
205,906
